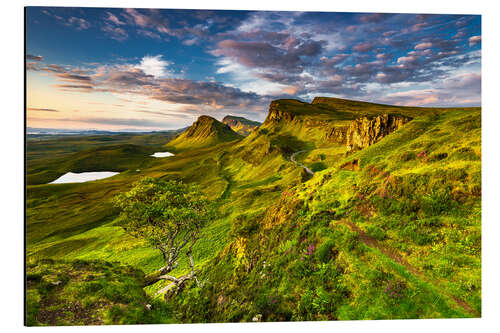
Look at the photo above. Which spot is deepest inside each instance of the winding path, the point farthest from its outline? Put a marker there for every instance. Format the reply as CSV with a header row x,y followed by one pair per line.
x,y
292,158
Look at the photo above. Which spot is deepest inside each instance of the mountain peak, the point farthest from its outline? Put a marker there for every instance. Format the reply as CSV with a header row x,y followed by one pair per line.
x,y
205,131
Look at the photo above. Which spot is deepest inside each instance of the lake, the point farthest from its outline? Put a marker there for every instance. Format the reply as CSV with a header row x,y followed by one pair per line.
x,y
83,177
162,154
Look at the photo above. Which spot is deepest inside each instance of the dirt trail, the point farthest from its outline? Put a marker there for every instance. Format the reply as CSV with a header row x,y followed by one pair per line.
x,y
372,242
292,158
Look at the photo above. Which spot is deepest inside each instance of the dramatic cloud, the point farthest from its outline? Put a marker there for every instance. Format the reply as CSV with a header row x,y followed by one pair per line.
x,y
217,62
289,56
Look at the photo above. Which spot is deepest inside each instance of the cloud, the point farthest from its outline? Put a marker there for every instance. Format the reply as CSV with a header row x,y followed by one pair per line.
x,y
423,46
154,65
53,68
407,59
363,47
114,32
73,77
148,33
33,57
80,87
78,23
458,90
374,18
112,18
474,40
32,66
292,55
42,110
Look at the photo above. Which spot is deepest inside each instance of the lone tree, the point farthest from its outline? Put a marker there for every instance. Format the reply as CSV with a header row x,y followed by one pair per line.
x,y
169,216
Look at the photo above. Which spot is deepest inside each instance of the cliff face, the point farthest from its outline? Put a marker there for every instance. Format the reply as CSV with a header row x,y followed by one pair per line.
x,y
363,132
276,114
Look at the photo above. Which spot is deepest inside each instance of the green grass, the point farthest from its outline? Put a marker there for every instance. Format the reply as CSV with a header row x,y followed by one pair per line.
x,y
88,293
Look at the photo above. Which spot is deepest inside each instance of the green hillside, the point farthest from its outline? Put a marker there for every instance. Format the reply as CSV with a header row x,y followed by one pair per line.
x,y
240,125
206,131
389,225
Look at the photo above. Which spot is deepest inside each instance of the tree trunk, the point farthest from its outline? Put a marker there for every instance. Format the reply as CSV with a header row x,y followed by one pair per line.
x,y
156,276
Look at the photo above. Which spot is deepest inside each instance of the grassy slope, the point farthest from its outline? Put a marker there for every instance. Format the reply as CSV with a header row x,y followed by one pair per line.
x,y
69,221
241,125
416,194
86,293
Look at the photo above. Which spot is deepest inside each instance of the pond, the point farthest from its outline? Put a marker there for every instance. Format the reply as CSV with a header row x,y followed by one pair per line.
x,y
83,177
162,154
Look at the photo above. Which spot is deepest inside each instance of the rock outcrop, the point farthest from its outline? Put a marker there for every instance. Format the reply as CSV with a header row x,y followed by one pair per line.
x,y
277,114
364,132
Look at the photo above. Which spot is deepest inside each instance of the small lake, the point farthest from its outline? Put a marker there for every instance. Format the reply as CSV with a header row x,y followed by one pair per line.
x,y
83,177
162,154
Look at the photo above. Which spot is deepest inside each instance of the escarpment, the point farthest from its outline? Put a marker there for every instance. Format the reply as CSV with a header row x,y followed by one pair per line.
x,y
326,124
278,113
364,132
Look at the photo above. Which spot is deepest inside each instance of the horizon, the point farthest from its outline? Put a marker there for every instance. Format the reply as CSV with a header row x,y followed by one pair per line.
x,y
160,69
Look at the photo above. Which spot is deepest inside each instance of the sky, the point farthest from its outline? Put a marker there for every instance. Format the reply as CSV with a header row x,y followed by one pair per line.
x,y
159,69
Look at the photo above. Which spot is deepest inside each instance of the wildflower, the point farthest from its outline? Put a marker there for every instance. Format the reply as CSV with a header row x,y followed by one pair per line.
x,y
310,249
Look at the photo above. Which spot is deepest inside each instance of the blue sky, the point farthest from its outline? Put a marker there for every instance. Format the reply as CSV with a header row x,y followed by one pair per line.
x,y
160,69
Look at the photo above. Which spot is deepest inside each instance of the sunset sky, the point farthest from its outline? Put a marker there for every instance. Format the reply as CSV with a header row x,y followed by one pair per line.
x,y
137,69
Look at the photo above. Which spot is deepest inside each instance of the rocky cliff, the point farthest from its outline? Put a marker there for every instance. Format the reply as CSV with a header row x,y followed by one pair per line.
x,y
323,123
363,132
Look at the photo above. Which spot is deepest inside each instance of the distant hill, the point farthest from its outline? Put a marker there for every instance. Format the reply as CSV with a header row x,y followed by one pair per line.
x,y
205,131
240,125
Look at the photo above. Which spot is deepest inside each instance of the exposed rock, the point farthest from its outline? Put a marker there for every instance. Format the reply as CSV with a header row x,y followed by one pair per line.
x,y
364,132
277,114
351,165
355,134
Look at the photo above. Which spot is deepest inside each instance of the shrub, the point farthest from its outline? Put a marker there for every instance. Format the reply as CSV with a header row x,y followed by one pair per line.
x,y
438,157
408,156
244,226
325,252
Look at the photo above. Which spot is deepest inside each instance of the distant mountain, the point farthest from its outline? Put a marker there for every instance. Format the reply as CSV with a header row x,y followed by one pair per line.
x,y
204,132
240,125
